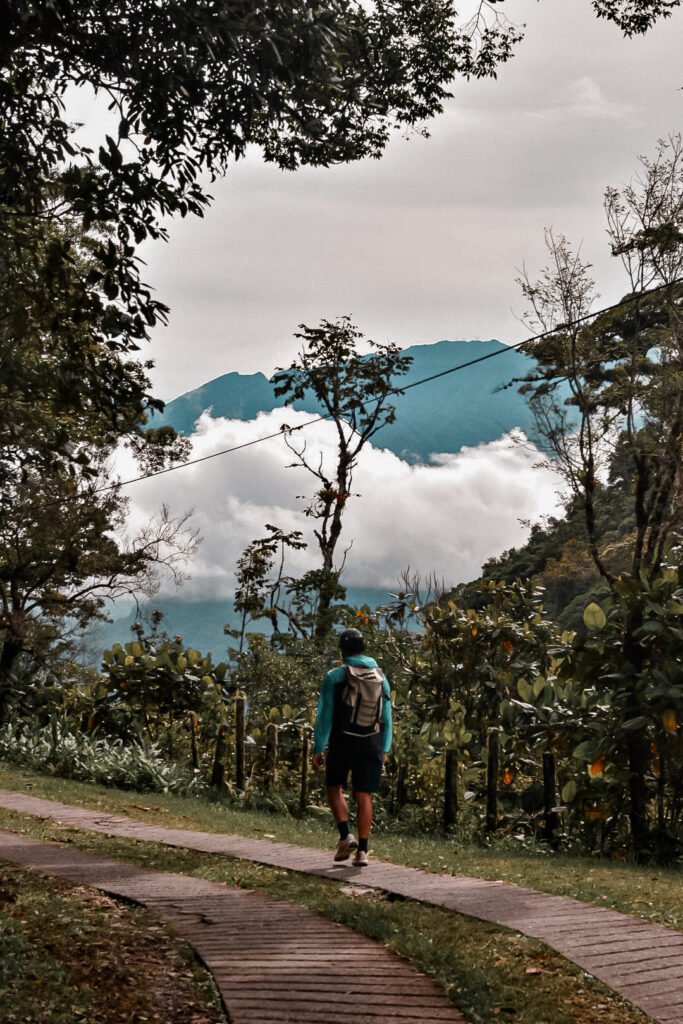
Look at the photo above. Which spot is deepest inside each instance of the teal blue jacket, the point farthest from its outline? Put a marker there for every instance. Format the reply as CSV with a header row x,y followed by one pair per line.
x,y
325,712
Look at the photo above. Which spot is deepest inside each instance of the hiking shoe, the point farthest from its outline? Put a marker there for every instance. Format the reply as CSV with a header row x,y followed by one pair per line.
x,y
361,859
345,847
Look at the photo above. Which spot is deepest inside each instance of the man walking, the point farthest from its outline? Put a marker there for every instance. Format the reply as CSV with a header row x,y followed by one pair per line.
x,y
354,723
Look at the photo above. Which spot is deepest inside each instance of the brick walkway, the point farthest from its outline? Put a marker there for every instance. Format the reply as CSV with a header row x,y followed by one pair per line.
x,y
273,962
642,962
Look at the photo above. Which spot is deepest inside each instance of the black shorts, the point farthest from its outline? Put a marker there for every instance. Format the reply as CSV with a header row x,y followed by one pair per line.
x,y
362,756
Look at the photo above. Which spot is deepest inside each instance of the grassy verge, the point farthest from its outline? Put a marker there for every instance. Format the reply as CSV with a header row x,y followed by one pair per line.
x,y
489,972
655,894
71,955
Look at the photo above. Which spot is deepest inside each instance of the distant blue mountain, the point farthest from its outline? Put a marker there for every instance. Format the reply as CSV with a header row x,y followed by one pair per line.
x,y
466,408
201,622
469,407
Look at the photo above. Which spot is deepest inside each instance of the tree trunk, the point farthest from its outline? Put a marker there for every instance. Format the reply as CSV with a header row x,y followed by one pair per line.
x,y
450,790
492,781
239,742
11,649
323,618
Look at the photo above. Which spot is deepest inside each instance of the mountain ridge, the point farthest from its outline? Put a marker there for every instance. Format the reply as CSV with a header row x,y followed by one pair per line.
x,y
467,407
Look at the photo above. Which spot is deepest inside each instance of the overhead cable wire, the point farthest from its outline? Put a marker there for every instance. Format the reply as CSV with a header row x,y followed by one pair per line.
x,y
286,429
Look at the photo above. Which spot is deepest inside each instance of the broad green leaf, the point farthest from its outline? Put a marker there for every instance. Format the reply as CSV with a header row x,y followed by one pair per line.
x,y
524,689
586,751
635,724
569,791
448,732
594,617
653,626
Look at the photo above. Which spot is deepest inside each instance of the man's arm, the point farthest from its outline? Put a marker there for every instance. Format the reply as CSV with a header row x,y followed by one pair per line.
x,y
387,718
324,713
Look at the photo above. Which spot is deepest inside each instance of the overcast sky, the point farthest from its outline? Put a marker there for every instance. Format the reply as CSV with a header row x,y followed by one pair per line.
x,y
424,244
420,246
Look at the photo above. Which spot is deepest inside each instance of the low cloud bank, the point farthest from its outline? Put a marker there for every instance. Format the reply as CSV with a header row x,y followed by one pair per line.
x,y
447,517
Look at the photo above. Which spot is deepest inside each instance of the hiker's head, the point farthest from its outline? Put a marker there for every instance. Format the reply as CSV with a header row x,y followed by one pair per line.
x,y
351,642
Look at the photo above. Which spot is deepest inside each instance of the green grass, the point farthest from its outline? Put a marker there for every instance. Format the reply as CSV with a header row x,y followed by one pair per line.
x,y
654,894
71,955
491,973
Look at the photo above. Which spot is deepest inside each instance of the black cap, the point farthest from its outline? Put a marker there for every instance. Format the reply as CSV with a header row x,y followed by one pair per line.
x,y
351,642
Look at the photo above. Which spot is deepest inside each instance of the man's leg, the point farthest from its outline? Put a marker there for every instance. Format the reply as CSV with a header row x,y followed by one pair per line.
x,y
347,841
366,776
337,802
363,815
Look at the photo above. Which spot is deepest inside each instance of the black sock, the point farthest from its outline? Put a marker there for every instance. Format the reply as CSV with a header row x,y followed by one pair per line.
x,y
363,845
344,829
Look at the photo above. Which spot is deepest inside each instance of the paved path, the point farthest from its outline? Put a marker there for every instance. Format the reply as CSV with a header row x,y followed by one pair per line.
x,y
273,962
642,962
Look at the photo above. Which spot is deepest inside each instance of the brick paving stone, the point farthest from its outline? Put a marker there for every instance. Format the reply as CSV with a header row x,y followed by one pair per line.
x,y
593,937
270,947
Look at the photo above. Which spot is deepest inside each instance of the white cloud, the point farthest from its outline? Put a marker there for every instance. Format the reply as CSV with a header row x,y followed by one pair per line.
x,y
447,517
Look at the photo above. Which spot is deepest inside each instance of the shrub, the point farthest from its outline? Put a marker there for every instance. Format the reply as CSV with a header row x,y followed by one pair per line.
x,y
55,750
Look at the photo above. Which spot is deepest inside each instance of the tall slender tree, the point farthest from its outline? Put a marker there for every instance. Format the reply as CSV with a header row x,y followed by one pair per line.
x,y
623,422
354,391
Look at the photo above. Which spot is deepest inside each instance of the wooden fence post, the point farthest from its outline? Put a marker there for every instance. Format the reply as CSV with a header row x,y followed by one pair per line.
x,y
492,780
305,756
193,722
240,703
550,817
54,734
450,790
271,756
219,758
